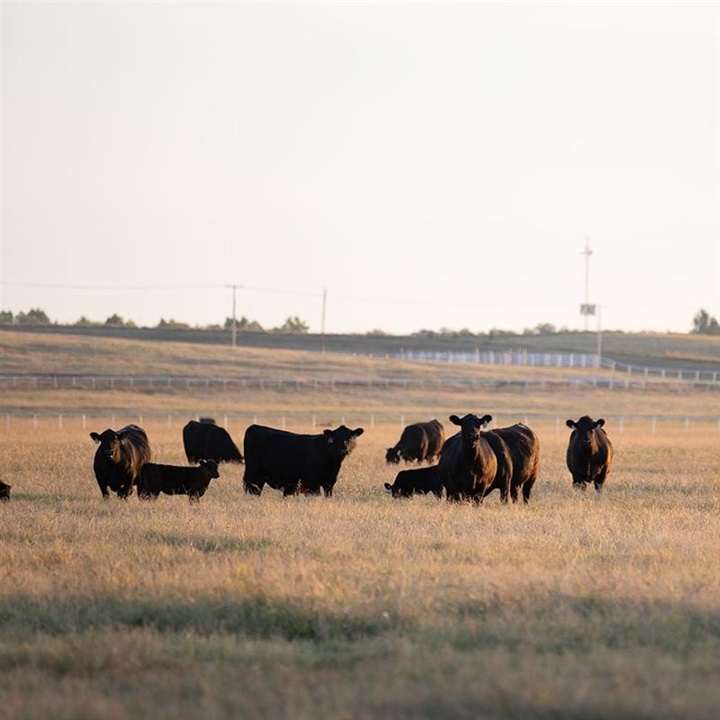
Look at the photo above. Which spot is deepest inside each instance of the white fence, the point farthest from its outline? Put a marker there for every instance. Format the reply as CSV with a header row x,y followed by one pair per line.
x,y
626,381
523,358
73,421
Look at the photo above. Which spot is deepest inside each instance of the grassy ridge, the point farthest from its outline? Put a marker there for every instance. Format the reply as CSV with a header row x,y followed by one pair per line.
x,y
499,389
648,349
361,606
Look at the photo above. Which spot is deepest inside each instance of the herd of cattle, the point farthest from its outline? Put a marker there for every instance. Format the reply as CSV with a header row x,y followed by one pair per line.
x,y
468,465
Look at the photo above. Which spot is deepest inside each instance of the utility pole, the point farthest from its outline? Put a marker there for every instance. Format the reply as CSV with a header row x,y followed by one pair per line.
x,y
586,309
234,316
322,324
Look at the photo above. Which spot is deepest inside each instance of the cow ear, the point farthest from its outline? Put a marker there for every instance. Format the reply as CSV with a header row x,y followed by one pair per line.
x,y
357,432
600,423
486,420
328,435
570,424
455,420
95,437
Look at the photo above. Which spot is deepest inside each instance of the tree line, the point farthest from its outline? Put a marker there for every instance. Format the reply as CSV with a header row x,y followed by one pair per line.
x,y
703,324
37,317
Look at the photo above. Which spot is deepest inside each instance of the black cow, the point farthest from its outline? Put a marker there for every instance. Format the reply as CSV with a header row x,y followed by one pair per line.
x,y
419,442
524,448
206,441
290,462
4,491
119,458
419,481
590,452
468,465
176,480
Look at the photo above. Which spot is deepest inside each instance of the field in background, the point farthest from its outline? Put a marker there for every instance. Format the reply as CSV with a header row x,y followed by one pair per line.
x,y
360,606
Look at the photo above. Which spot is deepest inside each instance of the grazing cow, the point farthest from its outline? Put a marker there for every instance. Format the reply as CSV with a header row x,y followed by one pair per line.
x,y
176,480
206,441
290,462
524,448
419,481
419,441
468,465
590,452
119,458
4,491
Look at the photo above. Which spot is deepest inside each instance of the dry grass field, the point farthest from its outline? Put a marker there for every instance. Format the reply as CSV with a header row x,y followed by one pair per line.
x,y
362,607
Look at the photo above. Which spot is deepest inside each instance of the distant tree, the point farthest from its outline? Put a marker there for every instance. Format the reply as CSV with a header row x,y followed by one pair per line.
x,y
705,324
115,321
33,317
293,325
84,322
6,317
541,329
497,332
172,324
376,333
244,324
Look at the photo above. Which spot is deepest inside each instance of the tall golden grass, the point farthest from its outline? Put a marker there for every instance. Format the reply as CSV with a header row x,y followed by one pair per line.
x,y
361,606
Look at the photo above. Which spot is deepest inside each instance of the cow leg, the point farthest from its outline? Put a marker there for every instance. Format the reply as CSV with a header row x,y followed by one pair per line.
x,y
252,482
514,492
600,481
290,489
527,489
104,490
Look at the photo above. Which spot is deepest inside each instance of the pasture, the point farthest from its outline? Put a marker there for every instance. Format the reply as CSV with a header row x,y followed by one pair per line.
x,y
359,606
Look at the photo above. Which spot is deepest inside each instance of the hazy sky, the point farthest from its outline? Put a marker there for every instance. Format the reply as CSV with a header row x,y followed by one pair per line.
x,y
430,164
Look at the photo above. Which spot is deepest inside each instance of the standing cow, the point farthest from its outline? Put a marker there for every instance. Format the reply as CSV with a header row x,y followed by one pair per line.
x,y
119,459
176,480
468,465
419,442
205,440
290,462
590,452
524,449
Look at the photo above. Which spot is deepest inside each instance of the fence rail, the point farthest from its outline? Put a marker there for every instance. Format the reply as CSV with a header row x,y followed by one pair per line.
x,y
523,358
627,381
235,422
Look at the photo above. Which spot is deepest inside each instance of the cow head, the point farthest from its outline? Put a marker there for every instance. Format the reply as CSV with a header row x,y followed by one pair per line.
x,y
341,441
470,427
392,455
4,491
211,467
398,490
584,429
109,444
